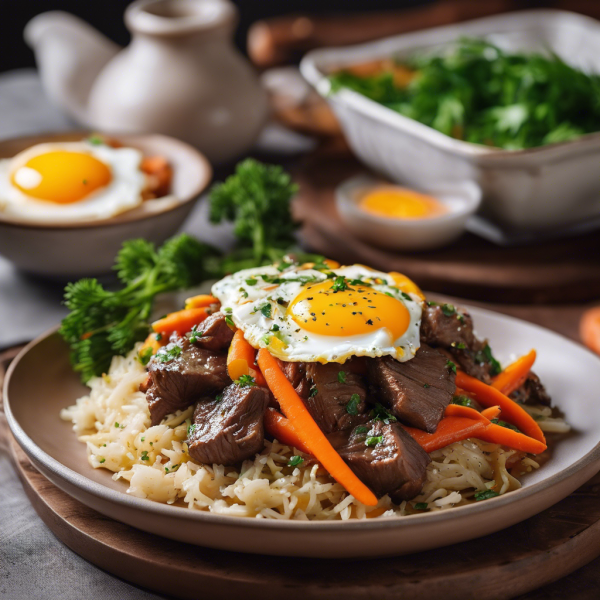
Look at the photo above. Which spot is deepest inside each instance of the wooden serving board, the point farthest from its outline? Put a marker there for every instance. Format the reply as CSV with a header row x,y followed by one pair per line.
x,y
509,563
558,271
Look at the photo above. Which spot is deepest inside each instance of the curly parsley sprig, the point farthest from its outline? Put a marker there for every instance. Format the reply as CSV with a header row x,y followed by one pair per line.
x,y
105,323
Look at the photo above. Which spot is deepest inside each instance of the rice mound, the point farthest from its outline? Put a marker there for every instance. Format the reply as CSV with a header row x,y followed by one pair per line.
x,y
114,422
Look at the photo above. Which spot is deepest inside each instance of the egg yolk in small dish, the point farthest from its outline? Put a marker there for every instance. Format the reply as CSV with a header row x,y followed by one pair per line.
x,y
395,202
61,176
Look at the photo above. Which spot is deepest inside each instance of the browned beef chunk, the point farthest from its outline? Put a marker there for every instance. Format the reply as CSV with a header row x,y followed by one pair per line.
x,y
214,333
229,429
179,378
416,391
393,463
337,396
532,392
451,329
296,374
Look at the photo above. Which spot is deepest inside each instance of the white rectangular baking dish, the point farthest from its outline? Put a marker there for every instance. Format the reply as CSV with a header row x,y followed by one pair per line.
x,y
540,188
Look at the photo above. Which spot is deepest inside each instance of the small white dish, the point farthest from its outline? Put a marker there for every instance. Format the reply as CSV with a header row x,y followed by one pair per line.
x,y
460,199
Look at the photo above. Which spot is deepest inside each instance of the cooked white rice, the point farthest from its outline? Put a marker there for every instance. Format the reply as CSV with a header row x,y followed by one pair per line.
x,y
114,422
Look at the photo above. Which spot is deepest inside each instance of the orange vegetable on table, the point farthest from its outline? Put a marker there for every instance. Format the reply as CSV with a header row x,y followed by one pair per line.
x,y
589,329
308,431
513,377
181,321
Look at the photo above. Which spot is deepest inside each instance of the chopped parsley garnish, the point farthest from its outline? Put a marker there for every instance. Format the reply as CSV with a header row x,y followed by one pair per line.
x,y
101,460
116,424
145,455
295,461
341,376
448,309
451,366
228,310
421,506
340,284
145,355
380,413
195,335
426,385
274,327
373,440
313,392
352,406
431,303
229,321
458,345
243,292
361,429
158,337
218,398
266,339
245,381
485,356
265,309
95,140
506,425
405,296
251,281
170,354
463,400
485,495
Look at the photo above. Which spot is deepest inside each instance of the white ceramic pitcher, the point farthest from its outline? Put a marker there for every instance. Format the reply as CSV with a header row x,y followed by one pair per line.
x,y
181,75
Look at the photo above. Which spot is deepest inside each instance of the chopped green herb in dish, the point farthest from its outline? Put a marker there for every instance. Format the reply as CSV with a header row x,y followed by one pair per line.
x,y
480,93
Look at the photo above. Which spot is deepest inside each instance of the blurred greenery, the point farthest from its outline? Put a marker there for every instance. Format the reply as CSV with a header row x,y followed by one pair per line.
x,y
481,94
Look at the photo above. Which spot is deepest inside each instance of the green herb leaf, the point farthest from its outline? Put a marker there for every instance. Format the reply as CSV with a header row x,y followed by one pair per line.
x,y
245,381
373,440
505,424
380,413
313,392
448,309
463,400
167,354
295,461
340,284
352,406
341,376
265,310
485,495
421,506
145,355
360,430
145,455
451,366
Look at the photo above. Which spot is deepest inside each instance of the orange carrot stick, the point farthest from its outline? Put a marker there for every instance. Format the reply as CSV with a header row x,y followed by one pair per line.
x,y
511,411
449,430
456,410
496,434
282,429
241,359
152,342
513,377
308,431
181,321
491,413
201,301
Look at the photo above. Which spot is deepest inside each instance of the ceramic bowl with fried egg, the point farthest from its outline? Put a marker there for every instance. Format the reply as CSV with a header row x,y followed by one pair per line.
x,y
399,218
68,201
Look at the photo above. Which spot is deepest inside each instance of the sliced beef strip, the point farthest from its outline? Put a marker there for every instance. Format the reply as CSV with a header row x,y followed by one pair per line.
x,y
179,382
215,333
296,374
532,392
332,387
229,429
416,391
454,333
396,465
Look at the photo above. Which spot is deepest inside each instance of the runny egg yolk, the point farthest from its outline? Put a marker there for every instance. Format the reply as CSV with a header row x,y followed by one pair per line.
x,y
61,176
400,203
357,310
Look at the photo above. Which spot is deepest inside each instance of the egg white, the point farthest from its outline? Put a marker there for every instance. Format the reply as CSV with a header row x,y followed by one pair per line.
x,y
123,193
243,302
